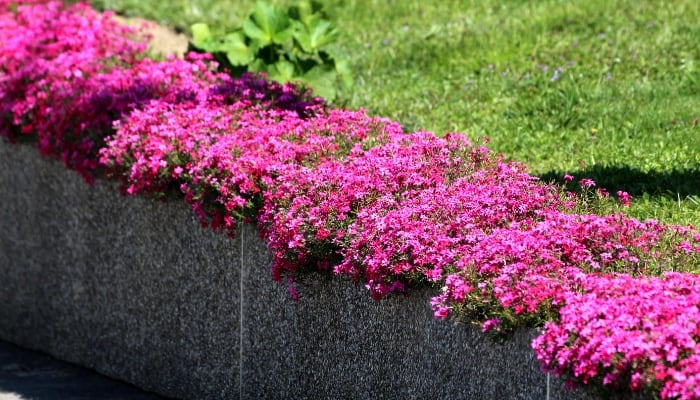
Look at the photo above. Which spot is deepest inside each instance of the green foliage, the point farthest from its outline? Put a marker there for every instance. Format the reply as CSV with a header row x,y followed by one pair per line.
x,y
289,45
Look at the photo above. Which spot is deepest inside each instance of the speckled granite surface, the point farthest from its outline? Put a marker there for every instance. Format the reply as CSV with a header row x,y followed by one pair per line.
x,y
137,290
133,288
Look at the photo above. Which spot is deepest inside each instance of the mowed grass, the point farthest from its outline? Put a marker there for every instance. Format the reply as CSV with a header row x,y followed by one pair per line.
x,y
606,89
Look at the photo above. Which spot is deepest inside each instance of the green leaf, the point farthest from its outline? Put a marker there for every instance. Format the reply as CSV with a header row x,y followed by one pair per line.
x,y
302,11
267,24
200,33
237,52
203,39
258,65
321,33
282,71
305,11
302,38
322,81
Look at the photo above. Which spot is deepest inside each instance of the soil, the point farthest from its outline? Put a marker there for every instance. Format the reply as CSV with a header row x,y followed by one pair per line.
x,y
164,40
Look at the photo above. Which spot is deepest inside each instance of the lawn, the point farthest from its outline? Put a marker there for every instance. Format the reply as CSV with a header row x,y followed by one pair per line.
x,y
608,90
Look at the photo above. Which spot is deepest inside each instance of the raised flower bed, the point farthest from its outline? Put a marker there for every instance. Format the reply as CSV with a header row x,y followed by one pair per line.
x,y
135,289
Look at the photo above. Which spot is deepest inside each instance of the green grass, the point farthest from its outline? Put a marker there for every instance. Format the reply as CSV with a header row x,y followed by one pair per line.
x,y
623,109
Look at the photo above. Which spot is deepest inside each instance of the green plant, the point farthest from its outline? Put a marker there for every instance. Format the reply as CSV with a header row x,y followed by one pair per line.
x,y
289,45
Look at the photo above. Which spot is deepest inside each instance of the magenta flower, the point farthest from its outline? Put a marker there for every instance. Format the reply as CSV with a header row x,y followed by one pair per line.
x,y
586,183
624,197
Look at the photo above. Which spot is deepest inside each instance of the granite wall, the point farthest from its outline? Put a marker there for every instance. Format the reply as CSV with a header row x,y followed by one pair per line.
x,y
137,290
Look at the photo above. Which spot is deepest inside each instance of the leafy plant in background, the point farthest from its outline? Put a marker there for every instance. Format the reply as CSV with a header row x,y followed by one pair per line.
x,y
289,45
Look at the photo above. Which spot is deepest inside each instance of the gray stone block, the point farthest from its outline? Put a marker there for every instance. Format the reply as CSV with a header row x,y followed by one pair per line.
x,y
130,287
338,343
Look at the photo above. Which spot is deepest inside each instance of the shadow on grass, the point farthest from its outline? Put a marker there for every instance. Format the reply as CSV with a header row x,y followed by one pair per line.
x,y
681,183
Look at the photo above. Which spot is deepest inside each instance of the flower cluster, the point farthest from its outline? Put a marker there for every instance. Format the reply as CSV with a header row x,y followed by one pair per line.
x,y
223,156
343,191
61,78
45,73
520,273
398,212
651,345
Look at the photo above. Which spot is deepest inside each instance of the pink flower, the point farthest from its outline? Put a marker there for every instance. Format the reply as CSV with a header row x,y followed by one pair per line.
x,y
624,197
586,183
490,324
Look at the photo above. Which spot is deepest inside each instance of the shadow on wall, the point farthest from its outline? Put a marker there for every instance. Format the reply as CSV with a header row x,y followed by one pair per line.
x,y
681,183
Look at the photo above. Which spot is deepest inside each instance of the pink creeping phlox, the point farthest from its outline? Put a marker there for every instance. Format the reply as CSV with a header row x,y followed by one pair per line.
x,y
527,271
337,189
222,156
58,45
309,212
651,345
